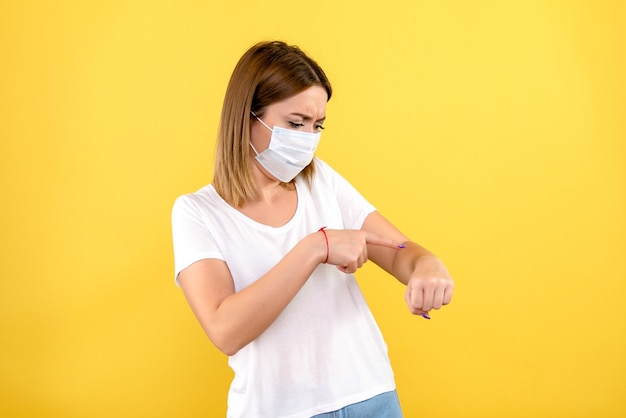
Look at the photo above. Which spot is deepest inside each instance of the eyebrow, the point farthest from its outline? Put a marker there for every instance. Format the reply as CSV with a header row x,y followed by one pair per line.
x,y
307,117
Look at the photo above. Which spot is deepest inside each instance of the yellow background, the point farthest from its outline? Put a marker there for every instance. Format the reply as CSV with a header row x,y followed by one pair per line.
x,y
493,132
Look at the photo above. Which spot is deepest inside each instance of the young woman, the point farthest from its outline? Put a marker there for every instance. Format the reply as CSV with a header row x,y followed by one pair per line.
x,y
265,254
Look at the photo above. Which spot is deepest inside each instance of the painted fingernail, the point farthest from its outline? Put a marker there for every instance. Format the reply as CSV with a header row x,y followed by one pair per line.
x,y
425,315
401,246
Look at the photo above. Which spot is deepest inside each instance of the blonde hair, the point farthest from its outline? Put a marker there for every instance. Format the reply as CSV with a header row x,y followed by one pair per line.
x,y
267,73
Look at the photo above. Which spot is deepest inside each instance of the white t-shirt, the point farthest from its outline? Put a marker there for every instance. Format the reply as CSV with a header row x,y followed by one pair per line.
x,y
324,351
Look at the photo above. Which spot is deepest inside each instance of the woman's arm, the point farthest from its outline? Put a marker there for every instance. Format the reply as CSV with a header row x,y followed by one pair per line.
x,y
233,319
429,285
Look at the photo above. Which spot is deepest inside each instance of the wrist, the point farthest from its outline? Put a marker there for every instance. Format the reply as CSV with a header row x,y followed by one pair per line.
x,y
327,253
315,245
427,263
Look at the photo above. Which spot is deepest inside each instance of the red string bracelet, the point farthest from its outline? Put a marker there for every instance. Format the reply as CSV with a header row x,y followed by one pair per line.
x,y
327,248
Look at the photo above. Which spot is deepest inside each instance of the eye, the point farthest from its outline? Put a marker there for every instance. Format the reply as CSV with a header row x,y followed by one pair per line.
x,y
296,124
319,127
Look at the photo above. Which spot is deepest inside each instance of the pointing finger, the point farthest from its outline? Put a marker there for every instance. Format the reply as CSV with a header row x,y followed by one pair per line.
x,y
384,242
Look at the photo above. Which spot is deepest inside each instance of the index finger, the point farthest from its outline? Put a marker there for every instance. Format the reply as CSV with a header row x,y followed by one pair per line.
x,y
372,239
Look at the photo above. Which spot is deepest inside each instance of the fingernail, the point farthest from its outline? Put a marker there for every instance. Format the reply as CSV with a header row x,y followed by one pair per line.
x,y
425,315
401,246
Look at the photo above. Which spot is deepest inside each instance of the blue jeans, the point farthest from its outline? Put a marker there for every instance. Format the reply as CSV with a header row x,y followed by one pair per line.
x,y
385,405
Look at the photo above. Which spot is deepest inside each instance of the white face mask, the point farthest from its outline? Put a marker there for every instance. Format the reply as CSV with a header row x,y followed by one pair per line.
x,y
289,152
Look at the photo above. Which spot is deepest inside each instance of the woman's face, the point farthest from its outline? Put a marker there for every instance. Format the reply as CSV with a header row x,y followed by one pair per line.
x,y
306,112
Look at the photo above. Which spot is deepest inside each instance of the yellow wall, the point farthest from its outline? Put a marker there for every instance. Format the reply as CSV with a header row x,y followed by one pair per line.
x,y
493,132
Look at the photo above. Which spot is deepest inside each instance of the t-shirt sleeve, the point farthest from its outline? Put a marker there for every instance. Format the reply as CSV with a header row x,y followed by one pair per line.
x,y
191,236
354,207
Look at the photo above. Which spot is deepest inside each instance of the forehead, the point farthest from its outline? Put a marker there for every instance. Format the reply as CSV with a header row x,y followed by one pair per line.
x,y
310,102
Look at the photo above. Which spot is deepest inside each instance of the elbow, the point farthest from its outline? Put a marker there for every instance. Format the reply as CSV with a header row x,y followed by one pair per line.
x,y
227,344
228,349
227,335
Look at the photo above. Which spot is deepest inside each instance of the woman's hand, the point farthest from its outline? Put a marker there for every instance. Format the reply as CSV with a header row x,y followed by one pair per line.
x,y
429,287
347,248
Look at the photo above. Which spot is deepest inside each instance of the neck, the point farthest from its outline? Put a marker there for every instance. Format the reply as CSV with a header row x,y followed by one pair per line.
x,y
268,189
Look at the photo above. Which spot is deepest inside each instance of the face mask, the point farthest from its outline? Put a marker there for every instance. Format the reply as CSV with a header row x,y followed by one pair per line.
x,y
289,152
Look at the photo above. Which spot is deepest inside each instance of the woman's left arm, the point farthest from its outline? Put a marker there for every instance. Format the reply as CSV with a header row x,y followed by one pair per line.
x,y
429,285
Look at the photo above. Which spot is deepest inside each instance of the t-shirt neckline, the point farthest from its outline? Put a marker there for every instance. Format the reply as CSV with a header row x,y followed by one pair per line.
x,y
245,218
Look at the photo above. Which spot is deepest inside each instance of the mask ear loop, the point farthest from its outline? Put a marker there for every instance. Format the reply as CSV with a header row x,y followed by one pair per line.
x,y
262,123
250,142
254,149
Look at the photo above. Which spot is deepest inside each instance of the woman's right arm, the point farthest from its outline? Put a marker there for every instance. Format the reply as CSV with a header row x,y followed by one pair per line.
x,y
233,319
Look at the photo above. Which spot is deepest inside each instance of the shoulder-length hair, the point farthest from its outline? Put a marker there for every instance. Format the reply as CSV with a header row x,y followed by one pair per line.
x,y
267,73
